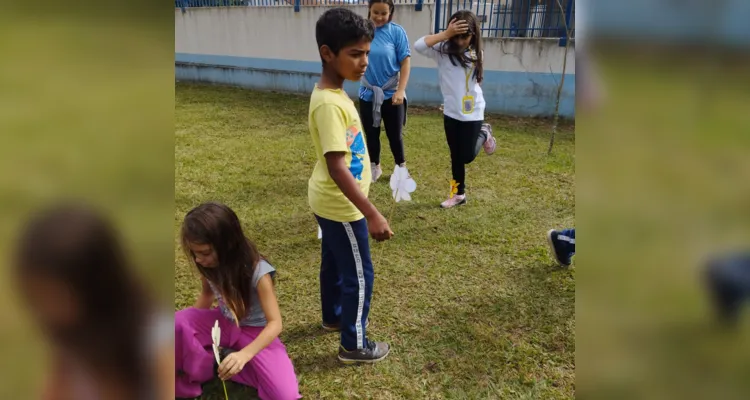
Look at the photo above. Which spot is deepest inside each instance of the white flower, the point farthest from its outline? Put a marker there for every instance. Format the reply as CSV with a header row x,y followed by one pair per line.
x,y
402,184
216,338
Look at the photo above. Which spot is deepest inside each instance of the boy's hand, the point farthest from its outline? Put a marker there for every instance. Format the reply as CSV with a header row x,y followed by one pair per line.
x,y
376,224
378,227
457,27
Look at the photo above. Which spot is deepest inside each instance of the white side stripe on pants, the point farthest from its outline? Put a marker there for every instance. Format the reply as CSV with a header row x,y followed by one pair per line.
x,y
360,281
566,239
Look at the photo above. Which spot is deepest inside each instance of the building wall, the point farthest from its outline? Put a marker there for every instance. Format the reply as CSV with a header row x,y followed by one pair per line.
x,y
274,48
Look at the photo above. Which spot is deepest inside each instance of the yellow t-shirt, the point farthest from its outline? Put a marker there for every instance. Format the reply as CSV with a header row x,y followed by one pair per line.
x,y
335,127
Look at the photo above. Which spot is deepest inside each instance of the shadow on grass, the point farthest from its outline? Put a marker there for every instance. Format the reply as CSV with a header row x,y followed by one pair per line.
x,y
306,332
508,334
308,363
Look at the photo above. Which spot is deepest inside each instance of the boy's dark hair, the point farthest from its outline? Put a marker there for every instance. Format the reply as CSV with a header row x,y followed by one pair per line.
x,y
390,4
458,56
341,27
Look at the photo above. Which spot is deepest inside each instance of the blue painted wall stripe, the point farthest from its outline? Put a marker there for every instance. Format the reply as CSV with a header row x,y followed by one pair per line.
x,y
514,93
250,62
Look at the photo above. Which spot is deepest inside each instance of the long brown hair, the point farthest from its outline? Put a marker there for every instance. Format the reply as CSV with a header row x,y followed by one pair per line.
x,y
459,56
216,224
75,246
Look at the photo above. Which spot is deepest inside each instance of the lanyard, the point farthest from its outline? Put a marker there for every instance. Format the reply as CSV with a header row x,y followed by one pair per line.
x,y
468,73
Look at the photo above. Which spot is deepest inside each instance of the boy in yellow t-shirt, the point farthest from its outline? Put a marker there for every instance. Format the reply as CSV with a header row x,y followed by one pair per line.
x,y
340,184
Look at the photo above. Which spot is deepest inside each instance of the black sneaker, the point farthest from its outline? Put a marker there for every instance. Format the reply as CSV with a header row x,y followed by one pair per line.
x,y
223,353
559,249
374,352
337,327
728,281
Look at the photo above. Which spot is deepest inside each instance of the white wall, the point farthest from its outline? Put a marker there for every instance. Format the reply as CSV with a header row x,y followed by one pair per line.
x,y
280,33
277,38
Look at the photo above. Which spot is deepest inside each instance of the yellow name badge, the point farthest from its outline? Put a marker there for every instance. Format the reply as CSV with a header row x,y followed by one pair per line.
x,y
467,104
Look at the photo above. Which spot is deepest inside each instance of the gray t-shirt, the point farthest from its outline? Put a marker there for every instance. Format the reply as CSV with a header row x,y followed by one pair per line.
x,y
255,316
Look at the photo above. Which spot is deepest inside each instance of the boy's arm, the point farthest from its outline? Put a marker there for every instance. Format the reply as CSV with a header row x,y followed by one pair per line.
x,y
331,124
344,179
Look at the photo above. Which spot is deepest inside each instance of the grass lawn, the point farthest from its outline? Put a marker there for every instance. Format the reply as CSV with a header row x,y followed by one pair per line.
x,y
468,298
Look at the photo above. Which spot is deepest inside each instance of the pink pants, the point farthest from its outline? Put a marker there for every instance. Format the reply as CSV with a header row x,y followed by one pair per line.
x,y
271,371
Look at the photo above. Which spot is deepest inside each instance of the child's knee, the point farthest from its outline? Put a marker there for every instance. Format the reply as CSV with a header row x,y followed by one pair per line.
x,y
282,392
279,388
277,380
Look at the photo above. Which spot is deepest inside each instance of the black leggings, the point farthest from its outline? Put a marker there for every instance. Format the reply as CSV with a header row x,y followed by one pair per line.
x,y
393,119
465,140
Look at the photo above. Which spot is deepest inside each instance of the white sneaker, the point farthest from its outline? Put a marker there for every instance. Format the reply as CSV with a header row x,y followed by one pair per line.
x,y
490,145
456,200
376,172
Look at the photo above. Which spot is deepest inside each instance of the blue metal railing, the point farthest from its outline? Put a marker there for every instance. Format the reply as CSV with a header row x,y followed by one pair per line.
x,y
221,3
267,3
184,4
512,18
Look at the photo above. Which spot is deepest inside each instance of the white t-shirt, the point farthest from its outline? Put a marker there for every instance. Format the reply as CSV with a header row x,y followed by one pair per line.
x,y
453,82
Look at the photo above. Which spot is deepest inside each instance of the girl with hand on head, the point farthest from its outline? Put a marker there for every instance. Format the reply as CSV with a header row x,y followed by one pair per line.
x,y
459,57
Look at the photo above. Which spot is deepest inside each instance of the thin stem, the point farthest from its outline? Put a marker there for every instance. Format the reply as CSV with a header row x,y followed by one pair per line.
x,y
226,396
390,216
556,118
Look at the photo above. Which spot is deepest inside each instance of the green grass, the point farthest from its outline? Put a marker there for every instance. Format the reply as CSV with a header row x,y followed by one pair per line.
x,y
468,298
